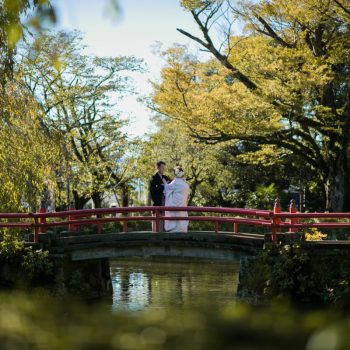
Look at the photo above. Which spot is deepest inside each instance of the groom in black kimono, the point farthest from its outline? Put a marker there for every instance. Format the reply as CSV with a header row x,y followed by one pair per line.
x,y
156,186
158,180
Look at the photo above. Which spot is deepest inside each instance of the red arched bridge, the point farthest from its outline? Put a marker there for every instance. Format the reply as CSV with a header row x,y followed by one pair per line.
x,y
235,233
273,224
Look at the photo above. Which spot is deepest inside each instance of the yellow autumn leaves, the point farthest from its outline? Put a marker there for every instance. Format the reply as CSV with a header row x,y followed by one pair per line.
x,y
25,151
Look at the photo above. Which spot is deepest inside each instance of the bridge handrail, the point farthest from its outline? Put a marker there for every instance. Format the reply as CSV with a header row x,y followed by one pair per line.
x,y
124,210
137,218
315,215
263,218
256,222
76,218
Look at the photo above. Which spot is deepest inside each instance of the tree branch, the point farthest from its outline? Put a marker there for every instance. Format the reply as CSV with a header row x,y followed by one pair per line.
x,y
208,44
346,10
271,33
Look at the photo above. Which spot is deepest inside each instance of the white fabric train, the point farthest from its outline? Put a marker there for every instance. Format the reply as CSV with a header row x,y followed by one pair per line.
x,y
176,195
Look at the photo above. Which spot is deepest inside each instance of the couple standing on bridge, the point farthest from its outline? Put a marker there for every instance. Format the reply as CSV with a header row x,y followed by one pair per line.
x,y
171,193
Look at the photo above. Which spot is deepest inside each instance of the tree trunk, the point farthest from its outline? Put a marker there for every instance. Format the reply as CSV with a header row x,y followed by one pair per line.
x,y
193,190
338,182
97,199
337,186
125,196
79,201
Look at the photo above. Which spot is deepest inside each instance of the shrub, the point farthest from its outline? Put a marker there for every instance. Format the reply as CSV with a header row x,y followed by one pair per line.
x,y
24,266
314,234
290,272
37,265
11,249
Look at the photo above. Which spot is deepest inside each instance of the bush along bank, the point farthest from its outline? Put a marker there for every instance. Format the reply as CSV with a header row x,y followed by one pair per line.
x,y
291,272
23,266
26,268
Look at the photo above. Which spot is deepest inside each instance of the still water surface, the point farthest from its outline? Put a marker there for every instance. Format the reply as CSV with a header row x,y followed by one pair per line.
x,y
140,284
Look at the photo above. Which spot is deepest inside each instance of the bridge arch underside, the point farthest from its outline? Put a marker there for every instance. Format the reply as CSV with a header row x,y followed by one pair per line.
x,y
199,245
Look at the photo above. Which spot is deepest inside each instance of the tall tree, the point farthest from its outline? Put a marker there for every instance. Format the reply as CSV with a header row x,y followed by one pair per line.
x,y
78,95
225,174
25,164
173,144
26,152
284,82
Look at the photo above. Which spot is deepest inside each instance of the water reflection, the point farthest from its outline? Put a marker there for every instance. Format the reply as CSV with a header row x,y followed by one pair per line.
x,y
139,284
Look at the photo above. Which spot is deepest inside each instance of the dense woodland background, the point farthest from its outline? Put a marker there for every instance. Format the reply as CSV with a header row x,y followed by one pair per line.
x,y
266,116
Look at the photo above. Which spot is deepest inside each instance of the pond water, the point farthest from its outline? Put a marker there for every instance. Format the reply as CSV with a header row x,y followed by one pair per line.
x,y
140,284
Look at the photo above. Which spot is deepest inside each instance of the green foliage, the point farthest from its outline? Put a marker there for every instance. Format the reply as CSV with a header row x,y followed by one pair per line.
x,y
240,174
289,272
11,249
19,15
30,268
281,85
38,322
192,4
15,16
78,97
262,197
26,151
32,131
37,265
340,293
217,174
174,145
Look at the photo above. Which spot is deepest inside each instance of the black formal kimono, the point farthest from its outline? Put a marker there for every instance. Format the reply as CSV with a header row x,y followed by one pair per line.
x,y
156,188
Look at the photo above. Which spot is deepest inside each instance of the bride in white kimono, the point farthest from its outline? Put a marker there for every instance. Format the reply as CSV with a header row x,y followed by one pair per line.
x,y
176,195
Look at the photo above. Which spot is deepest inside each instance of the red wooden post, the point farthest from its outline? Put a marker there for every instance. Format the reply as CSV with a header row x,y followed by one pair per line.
x,y
125,226
157,221
42,220
36,230
276,221
99,225
217,226
125,223
72,227
235,227
293,209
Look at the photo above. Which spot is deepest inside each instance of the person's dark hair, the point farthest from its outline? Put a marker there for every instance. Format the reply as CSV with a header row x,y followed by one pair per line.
x,y
160,163
178,171
179,167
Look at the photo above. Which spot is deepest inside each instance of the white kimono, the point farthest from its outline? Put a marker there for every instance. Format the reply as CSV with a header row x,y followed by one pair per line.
x,y
176,195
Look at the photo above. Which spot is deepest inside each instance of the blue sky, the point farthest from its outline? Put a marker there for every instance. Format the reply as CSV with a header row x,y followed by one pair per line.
x,y
140,25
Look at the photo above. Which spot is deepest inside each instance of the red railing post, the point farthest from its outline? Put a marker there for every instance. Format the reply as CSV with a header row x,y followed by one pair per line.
x,y
276,221
125,223
157,221
71,227
217,227
99,225
36,230
235,227
293,209
125,226
42,220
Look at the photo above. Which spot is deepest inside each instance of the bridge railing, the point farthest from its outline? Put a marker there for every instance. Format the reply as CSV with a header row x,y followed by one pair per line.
x,y
274,220
73,219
